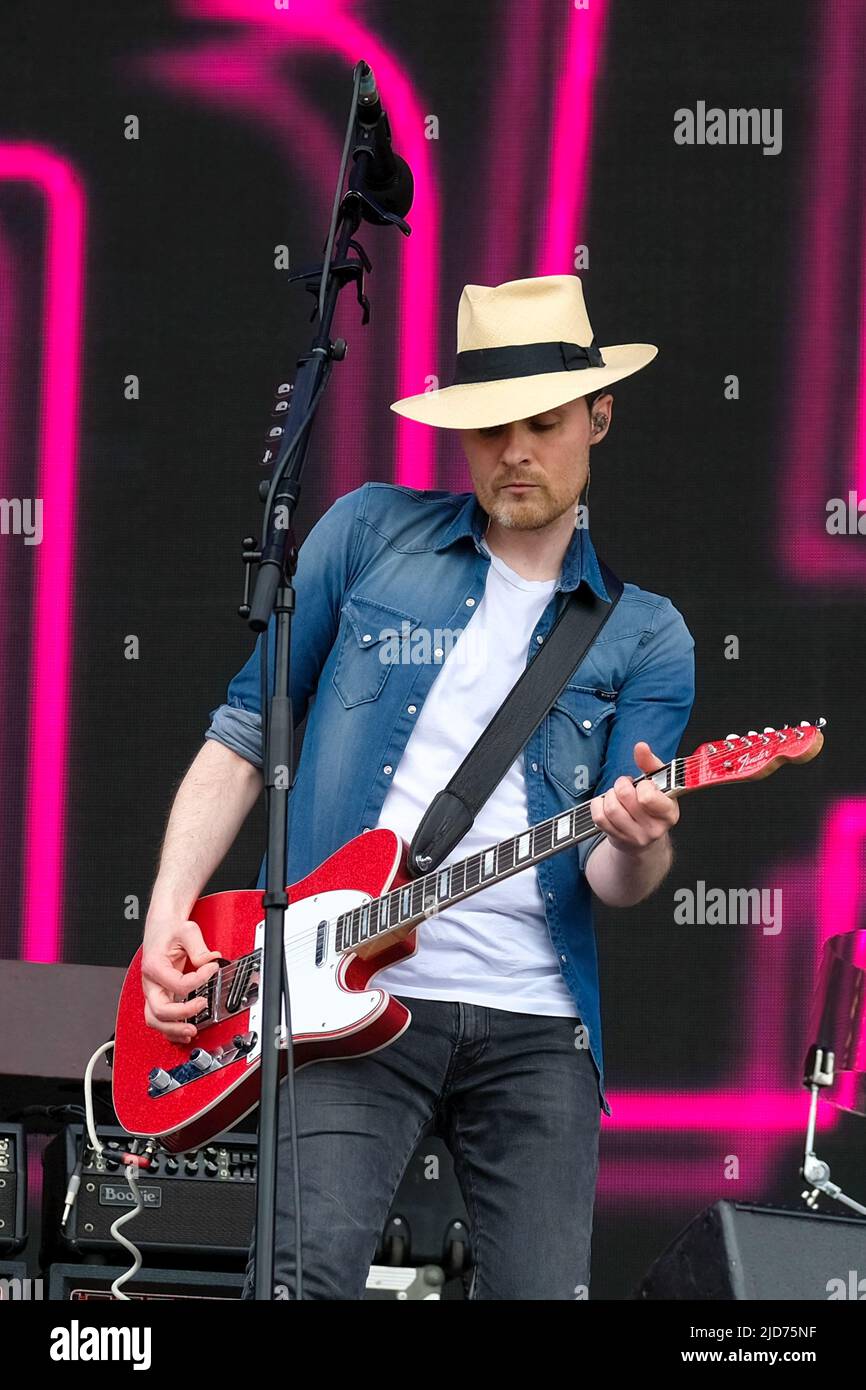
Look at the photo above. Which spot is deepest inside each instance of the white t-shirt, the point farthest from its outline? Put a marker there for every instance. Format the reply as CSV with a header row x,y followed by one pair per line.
x,y
493,948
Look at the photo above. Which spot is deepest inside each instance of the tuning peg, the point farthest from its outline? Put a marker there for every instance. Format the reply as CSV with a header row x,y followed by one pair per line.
x,y
804,724
768,730
820,723
728,737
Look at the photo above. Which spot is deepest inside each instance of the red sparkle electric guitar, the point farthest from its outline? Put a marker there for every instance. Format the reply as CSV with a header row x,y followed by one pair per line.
x,y
358,912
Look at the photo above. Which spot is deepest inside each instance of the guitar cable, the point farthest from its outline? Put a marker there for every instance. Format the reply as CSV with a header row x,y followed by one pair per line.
x,y
132,1162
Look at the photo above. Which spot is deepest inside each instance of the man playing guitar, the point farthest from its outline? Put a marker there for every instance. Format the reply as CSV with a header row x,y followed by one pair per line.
x,y
416,614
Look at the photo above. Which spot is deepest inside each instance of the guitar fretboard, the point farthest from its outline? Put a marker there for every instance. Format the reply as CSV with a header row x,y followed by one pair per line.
x,y
433,892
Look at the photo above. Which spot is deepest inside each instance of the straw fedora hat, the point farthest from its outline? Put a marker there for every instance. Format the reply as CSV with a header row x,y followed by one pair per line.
x,y
523,347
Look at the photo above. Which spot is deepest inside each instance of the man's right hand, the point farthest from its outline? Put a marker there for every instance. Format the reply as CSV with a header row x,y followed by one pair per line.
x,y
167,947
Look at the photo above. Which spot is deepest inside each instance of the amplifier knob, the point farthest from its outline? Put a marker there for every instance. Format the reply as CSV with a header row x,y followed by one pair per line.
x,y
159,1080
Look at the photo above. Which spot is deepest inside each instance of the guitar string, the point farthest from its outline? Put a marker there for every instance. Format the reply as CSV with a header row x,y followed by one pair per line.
x,y
300,946
582,821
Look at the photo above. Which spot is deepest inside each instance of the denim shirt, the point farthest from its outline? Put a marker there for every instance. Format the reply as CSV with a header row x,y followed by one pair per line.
x,y
386,558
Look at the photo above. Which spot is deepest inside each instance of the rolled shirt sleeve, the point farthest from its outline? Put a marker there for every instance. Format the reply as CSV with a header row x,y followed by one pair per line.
x,y
323,572
239,729
653,705
585,848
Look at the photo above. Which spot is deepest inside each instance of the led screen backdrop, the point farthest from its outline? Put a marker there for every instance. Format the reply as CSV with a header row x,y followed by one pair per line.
x,y
161,164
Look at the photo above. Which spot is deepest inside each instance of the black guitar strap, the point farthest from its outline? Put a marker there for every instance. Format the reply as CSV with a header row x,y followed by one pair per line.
x,y
453,810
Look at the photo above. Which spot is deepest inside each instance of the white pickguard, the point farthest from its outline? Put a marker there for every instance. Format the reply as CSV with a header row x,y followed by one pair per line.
x,y
319,1006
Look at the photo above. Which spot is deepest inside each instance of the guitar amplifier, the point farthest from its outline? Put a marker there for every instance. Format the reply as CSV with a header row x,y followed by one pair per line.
x,y
198,1204
83,1283
13,1188
200,1207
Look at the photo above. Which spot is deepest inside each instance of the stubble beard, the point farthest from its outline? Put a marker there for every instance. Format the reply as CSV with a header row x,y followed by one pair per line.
x,y
530,512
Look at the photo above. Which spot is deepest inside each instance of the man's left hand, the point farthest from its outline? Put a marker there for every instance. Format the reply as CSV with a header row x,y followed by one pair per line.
x,y
635,815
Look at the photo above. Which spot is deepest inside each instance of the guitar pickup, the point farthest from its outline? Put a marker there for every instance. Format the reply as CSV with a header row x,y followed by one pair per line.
x,y
321,942
244,989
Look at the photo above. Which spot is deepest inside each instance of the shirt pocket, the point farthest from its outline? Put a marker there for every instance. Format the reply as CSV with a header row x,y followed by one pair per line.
x,y
578,729
371,640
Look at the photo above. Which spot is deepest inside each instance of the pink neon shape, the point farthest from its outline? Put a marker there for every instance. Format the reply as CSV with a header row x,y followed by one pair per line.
x,y
568,177
48,734
842,850
505,208
9,329
834,241
322,25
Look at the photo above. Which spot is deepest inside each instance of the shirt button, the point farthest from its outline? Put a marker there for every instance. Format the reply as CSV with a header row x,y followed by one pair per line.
x,y
535,767
411,708
438,652
388,768
562,958
368,637
587,723
539,639
550,897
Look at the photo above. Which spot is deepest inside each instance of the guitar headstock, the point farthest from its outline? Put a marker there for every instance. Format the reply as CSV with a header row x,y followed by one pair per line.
x,y
746,757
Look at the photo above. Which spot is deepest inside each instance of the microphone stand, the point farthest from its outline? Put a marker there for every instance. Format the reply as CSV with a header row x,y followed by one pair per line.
x,y
820,1072
380,191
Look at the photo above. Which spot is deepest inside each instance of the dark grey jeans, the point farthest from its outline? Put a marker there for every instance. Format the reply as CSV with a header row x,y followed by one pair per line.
x,y
516,1101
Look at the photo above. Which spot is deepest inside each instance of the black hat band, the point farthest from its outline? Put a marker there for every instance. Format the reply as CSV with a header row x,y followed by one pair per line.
x,y
524,359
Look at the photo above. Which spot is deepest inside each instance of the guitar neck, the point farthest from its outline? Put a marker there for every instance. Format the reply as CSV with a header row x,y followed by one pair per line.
x,y
435,891
736,758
